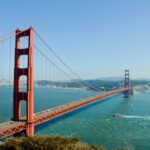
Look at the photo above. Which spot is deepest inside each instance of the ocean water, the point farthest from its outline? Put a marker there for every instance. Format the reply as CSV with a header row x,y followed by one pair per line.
x,y
96,123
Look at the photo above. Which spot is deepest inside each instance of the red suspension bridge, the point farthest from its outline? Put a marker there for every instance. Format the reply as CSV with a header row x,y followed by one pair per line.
x,y
19,123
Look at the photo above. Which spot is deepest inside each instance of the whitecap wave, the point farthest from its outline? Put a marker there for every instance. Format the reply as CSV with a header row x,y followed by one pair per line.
x,y
137,117
132,117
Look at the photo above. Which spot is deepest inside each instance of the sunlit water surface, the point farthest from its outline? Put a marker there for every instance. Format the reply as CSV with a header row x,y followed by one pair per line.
x,y
96,123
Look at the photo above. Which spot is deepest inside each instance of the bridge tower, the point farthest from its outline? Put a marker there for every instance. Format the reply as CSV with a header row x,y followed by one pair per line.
x,y
27,96
127,84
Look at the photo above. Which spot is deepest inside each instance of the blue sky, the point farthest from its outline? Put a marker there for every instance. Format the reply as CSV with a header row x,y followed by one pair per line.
x,y
95,37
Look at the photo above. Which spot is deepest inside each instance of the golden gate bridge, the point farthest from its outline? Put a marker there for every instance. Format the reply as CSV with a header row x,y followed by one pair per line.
x,y
32,67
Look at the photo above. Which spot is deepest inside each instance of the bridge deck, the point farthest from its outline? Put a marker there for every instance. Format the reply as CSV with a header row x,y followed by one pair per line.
x,y
12,127
7,124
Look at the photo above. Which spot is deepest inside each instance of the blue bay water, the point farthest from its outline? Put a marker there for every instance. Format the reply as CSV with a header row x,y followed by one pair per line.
x,y
95,123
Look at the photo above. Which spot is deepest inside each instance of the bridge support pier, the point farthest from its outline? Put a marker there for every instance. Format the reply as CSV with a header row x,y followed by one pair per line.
x,y
27,96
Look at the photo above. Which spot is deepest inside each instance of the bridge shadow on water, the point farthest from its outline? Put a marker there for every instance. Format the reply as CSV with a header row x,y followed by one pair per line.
x,y
40,127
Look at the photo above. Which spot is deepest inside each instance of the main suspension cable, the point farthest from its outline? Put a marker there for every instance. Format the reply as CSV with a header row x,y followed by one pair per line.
x,y
9,37
6,34
61,60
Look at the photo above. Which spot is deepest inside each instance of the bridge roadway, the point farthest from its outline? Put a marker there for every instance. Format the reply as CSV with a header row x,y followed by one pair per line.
x,y
11,127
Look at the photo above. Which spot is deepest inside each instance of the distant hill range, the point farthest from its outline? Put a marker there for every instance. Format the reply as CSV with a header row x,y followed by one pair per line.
x,y
103,83
110,78
121,78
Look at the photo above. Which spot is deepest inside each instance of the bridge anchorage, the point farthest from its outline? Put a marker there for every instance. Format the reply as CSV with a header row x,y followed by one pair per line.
x,y
26,124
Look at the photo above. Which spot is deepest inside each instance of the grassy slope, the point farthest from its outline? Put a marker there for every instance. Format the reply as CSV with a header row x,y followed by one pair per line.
x,y
47,143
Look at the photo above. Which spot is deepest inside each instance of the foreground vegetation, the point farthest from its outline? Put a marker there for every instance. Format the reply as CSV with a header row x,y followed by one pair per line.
x,y
47,143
